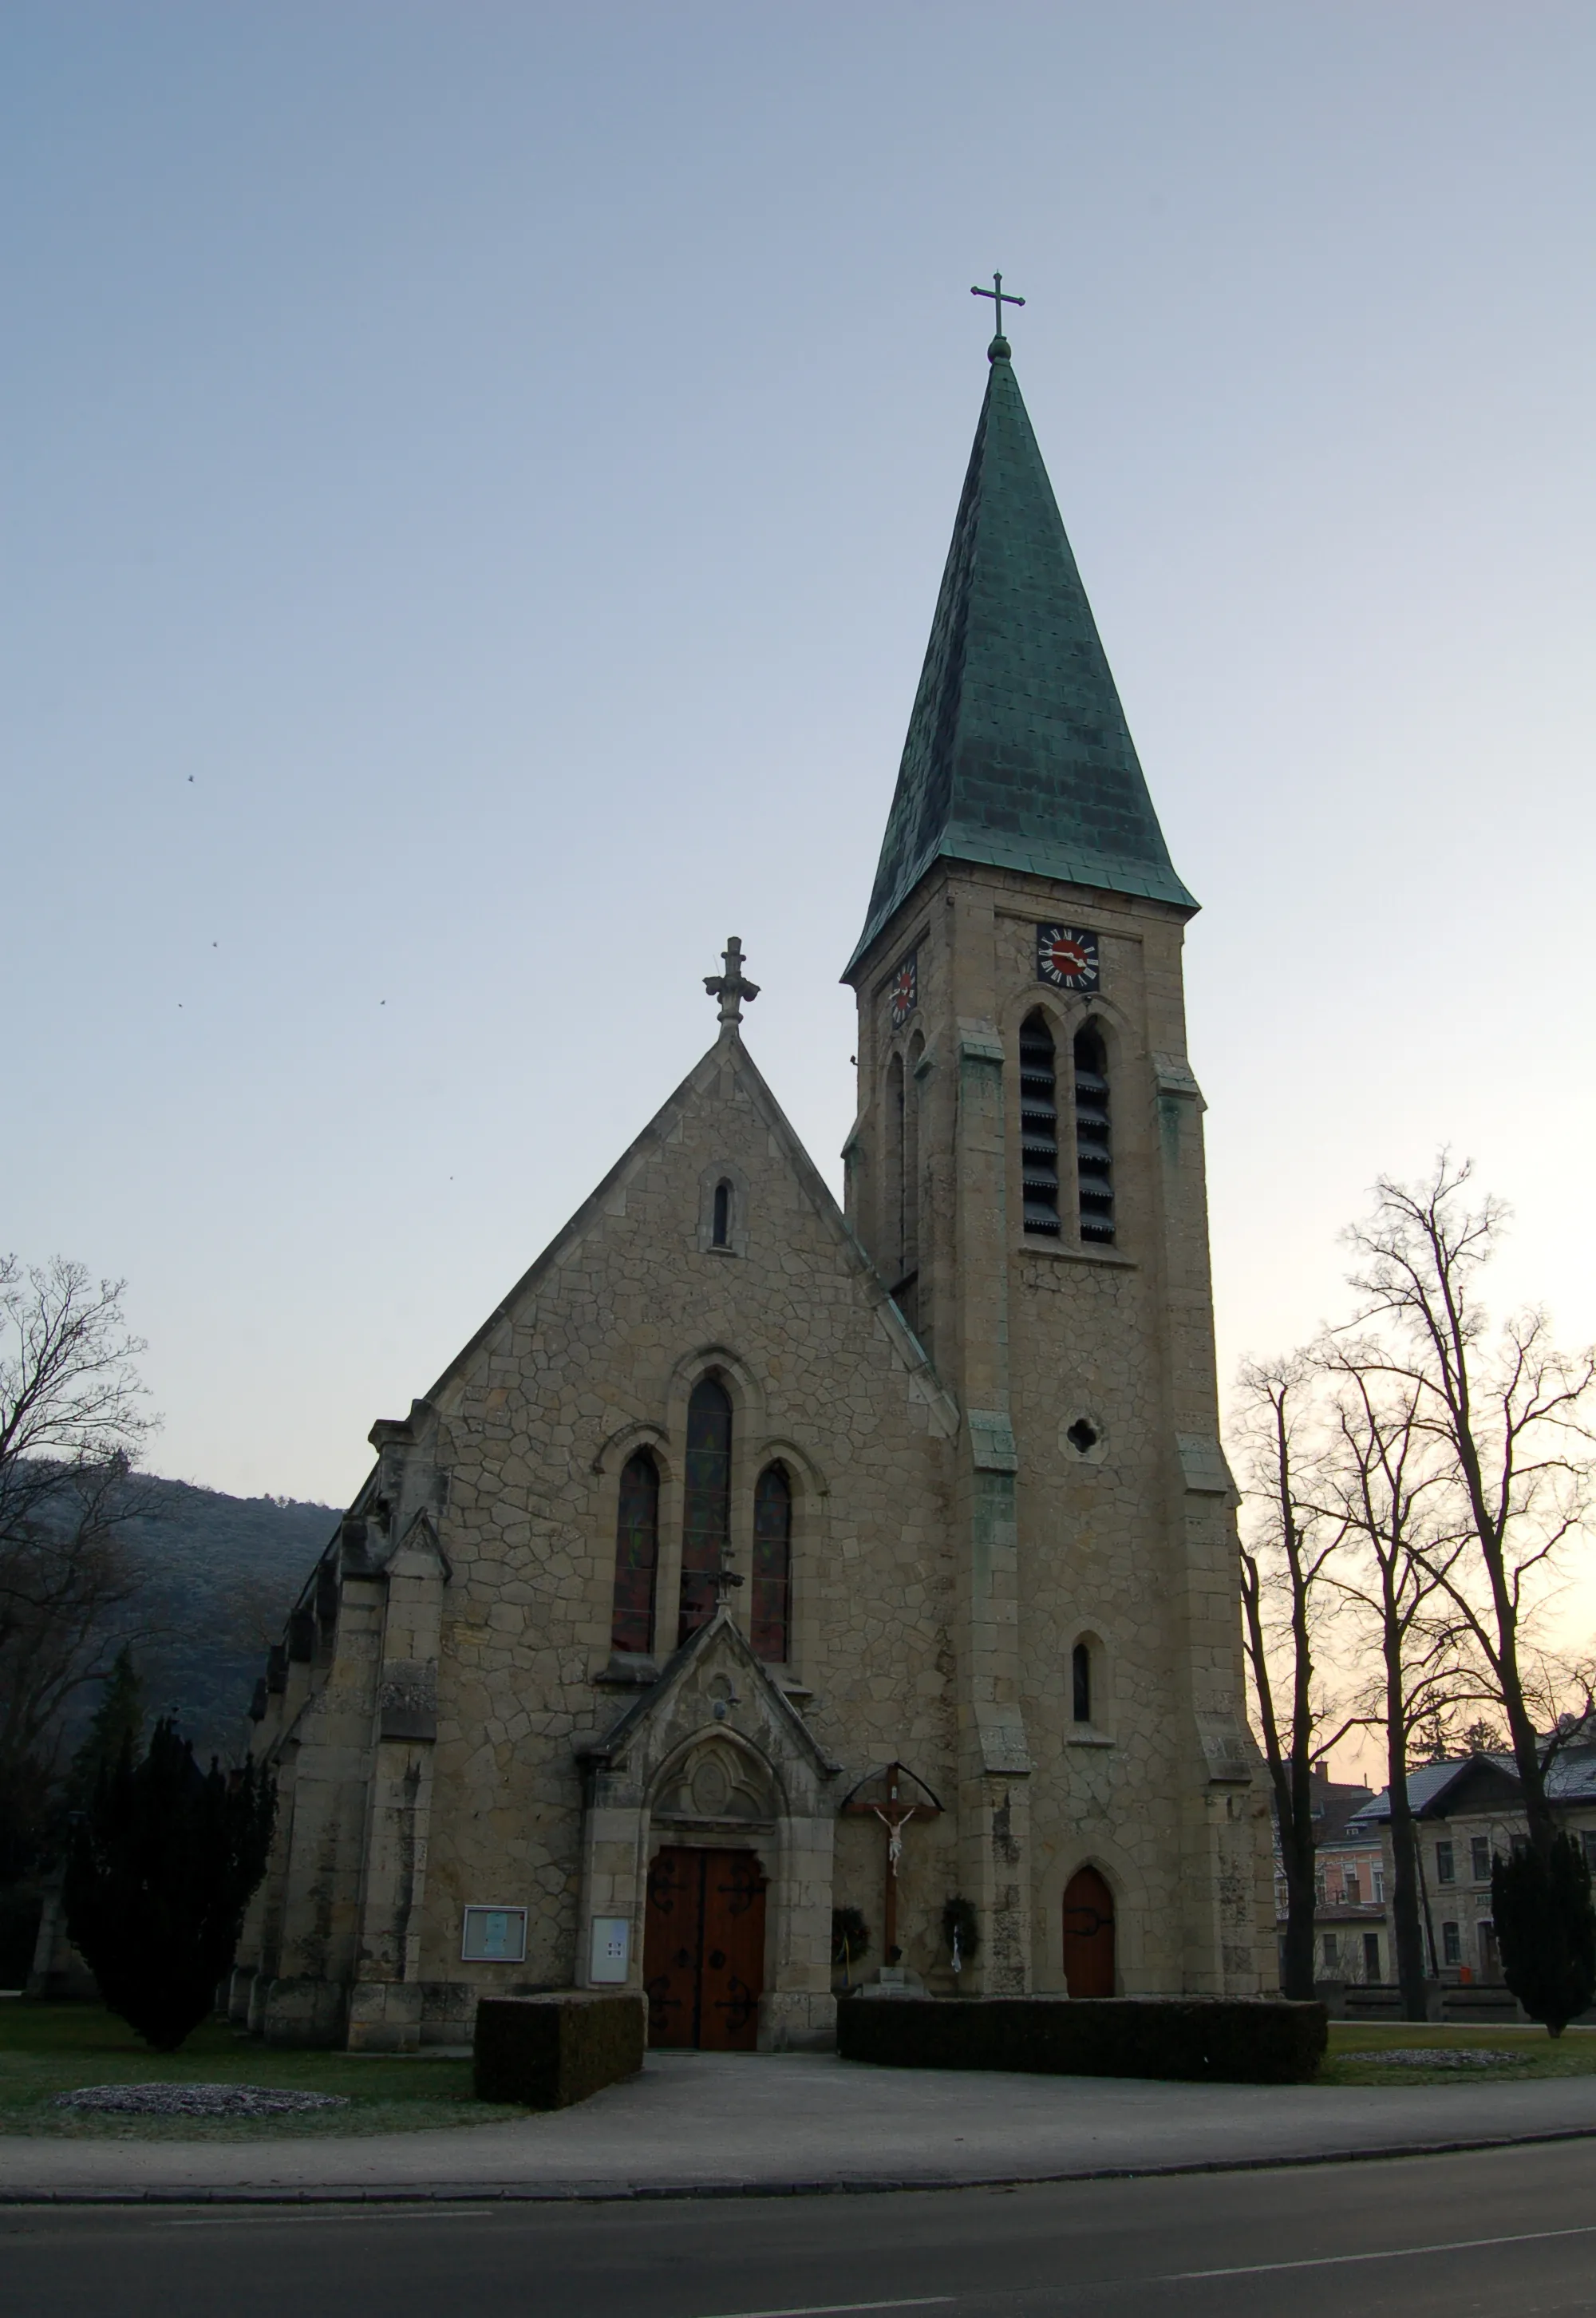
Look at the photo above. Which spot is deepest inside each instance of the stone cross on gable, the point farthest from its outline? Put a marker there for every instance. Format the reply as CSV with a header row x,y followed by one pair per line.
x,y
730,987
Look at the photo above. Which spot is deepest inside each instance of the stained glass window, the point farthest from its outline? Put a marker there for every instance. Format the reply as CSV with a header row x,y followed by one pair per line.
x,y
773,1564
706,1521
637,1554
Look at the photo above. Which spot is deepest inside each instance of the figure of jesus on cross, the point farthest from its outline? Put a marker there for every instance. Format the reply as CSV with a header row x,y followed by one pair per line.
x,y
894,1796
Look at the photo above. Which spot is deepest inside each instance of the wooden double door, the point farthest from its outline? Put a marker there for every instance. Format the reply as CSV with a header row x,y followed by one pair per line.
x,y
704,1949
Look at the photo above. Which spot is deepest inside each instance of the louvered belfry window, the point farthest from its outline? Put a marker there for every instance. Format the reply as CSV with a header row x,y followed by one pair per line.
x,y
1093,1156
706,1523
773,1564
637,1554
1038,1127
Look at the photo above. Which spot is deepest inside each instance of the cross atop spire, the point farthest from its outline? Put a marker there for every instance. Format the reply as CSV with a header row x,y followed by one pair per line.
x,y
730,987
999,348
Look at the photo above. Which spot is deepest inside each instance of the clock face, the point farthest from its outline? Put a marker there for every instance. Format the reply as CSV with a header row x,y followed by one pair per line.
x,y
904,992
1066,958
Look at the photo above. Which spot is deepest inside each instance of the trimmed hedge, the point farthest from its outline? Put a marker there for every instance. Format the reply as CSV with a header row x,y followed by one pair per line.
x,y
547,2052
1214,2039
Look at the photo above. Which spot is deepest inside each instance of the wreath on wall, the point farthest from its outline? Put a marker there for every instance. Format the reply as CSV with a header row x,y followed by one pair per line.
x,y
850,1938
961,1930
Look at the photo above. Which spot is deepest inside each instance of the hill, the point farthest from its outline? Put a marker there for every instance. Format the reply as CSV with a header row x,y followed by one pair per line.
x,y
222,1575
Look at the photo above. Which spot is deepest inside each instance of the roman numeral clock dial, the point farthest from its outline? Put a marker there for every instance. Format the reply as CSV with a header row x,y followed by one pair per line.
x,y
1066,958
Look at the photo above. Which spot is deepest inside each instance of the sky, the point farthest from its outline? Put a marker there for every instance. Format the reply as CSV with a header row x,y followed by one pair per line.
x,y
476,480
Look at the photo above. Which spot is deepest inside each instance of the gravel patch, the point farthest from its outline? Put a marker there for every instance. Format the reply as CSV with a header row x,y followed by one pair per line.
x,y
197,2100
1437,2056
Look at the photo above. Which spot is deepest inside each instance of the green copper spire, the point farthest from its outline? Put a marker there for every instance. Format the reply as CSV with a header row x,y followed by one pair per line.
x,y
1018,754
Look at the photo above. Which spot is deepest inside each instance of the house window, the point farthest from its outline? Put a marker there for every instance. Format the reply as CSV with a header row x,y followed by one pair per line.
x,y
1038,1127
1480,1854
1331,1953
1093,1163
773,1564
1379,1880
720,1228
1080,1682
1371,1955
1352,1890
637,1554
1451,1943
1446,1871
706,1516
1588,1843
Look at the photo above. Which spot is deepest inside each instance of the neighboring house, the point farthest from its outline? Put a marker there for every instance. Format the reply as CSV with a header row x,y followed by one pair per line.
x,y
1351,1932
1466,1811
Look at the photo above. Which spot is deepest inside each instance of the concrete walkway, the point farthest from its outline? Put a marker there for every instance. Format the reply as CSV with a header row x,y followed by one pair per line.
x,y
700,2124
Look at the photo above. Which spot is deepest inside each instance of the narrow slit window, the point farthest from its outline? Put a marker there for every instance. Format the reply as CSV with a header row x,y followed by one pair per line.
x,y
1094,1165
721,1230
773,1566
637,1554
1080,1682
706,1518
1038,1127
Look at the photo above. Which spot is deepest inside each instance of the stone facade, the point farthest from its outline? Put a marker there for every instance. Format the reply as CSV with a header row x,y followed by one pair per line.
x,y
1012,1545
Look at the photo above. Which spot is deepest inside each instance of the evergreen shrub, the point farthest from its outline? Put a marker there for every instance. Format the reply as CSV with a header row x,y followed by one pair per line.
x,y
162,1865
1545,1930
1199,2039
546,2052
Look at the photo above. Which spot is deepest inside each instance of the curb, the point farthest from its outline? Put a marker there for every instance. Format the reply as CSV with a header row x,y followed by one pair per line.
x,y
513,2193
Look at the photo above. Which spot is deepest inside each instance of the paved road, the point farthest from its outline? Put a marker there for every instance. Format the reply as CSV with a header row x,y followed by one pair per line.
x,y
1501,2232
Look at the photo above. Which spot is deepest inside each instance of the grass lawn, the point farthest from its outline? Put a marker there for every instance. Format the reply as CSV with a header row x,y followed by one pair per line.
x,y
1356,2046
54,2048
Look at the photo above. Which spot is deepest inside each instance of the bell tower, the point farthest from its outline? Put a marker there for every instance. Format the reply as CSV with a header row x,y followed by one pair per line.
x,y
1026,1172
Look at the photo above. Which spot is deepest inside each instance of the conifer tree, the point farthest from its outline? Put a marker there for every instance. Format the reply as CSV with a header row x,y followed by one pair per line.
x,y
115,1729
1540,1901
162,1866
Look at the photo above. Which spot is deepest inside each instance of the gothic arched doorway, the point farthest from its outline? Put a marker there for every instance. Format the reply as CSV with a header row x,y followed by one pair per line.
x,y
1089,1935
704,1948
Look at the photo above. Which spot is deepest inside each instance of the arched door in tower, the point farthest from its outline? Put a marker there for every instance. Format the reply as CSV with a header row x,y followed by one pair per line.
x,y
1089,1935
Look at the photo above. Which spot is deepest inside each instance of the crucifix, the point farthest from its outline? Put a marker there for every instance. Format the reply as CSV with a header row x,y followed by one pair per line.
x,y
730,987
894,1806
1000,298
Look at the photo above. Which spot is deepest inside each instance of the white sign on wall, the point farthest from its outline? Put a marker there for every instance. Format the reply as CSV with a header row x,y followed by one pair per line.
x,y
610,1956
494,1935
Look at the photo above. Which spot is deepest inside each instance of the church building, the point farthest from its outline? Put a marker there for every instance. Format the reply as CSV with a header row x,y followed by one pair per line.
x,y
773,1595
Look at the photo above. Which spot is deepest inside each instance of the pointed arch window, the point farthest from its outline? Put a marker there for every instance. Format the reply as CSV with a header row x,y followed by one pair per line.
x,y
1038,1127
771,1610
1081,1683
637,1554
1094,1161
706,1519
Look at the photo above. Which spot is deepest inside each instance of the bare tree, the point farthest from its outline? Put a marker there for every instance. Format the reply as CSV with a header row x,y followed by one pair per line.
x,y
1386,1485
1289,1545
1512,1418
72,1422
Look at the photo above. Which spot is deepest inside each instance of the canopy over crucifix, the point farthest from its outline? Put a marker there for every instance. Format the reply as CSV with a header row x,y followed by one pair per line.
x,y
1000,298
894,1796
730,987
